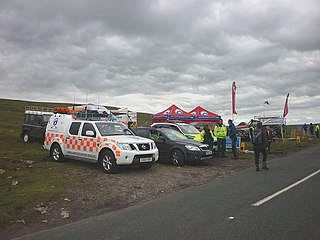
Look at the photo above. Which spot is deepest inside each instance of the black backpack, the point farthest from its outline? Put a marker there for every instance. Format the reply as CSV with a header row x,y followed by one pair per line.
x,y
257,137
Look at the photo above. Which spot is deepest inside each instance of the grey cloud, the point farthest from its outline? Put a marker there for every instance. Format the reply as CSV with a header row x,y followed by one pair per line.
x,y
149,54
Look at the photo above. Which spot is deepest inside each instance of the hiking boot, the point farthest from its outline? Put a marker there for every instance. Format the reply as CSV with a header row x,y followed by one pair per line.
x,y
257,169
264,166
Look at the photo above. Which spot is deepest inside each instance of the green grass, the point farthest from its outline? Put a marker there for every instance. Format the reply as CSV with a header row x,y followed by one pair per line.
x,y
39,183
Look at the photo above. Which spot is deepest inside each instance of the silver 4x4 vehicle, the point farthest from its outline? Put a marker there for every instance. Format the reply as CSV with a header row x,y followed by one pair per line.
x,y
35,122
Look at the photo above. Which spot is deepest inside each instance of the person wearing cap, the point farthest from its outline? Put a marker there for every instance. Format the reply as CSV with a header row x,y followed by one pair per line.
x,y
220,132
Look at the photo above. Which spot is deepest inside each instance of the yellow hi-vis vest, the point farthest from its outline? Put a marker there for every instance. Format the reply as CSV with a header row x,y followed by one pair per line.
x,y
220,132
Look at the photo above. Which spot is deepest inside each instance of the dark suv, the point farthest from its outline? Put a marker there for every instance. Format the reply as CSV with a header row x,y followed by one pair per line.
x,y
35,122
174,146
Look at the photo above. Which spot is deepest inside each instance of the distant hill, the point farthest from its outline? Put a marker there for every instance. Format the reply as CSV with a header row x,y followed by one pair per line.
x,y
13,110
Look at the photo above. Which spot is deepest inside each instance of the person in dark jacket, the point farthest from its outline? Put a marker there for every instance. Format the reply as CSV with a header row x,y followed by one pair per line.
x,y
260,145
311,129
305,128
233,137
206,136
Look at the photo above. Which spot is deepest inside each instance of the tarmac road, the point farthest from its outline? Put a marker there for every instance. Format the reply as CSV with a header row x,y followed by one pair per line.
x,y
221,209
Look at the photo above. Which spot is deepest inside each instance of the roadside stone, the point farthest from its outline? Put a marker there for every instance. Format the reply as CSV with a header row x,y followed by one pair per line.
x,y
14,183
2,171
29,162
65,214
21,221
42,210
44,221
67,199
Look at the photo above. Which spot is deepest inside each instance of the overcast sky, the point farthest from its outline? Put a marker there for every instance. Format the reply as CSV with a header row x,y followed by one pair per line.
x,y
147,55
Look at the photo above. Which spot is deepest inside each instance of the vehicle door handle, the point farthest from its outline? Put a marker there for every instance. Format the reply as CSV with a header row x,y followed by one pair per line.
x,y
80,139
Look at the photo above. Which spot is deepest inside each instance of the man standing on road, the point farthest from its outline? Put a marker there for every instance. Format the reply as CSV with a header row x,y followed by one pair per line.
x,y
233,137
220,131
260,144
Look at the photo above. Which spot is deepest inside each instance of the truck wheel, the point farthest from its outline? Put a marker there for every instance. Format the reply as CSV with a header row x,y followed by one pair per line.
x,y
108,162
26,137
56,153
177,157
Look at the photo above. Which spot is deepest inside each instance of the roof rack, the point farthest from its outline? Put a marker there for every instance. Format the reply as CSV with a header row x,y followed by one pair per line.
x,y
93,116
39,109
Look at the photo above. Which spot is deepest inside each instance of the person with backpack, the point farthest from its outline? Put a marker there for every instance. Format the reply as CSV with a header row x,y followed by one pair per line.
x,y
260,145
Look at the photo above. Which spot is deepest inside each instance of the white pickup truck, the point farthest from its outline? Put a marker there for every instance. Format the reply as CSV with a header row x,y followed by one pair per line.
x,y
109,144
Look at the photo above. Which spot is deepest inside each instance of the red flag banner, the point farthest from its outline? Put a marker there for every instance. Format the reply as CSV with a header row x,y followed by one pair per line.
x,y
286,108
234,88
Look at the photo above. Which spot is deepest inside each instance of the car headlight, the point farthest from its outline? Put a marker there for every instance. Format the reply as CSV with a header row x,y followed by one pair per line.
x,y
153,145
124,146
192,148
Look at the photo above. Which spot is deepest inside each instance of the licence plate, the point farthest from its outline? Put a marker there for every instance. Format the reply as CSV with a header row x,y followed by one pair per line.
x,y
147,159
208,152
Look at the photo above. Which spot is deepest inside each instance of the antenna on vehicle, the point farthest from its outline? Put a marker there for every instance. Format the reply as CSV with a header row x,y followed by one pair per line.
x,y
86,108
74,100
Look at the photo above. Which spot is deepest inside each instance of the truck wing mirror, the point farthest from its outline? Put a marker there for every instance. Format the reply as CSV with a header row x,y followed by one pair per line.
x,y
89,133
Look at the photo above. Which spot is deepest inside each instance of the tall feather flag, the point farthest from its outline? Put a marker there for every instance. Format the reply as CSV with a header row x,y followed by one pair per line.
x,y
286,108
234,88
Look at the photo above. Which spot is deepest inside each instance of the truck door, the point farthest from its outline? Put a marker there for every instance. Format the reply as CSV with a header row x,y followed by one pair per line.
x,y
88,141
72,140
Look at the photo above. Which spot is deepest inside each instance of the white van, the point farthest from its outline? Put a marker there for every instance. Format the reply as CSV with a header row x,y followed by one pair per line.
x,y
109,144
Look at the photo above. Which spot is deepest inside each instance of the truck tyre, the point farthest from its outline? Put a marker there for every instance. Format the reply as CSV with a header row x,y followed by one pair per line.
x,y
108,162
177,157
26,137
56,153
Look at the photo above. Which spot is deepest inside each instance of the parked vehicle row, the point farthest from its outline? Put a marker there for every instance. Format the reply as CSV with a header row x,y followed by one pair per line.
x,y
110,144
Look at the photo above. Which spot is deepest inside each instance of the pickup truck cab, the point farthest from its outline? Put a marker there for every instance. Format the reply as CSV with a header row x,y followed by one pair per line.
x,y
107,143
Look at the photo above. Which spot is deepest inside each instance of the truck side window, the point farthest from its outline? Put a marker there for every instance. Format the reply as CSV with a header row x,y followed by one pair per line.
x,y
74,128
27,118
86,127
32,118
174,128
39,120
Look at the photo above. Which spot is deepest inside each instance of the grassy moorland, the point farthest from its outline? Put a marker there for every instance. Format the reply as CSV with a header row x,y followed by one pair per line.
x,y
27,165
28,178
